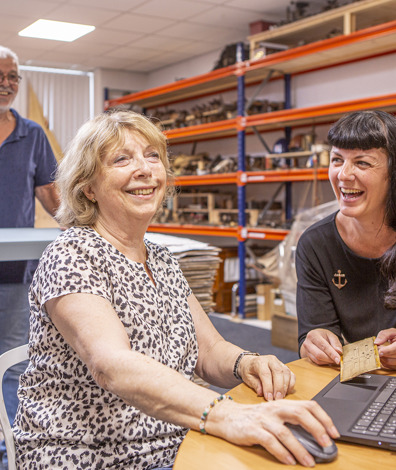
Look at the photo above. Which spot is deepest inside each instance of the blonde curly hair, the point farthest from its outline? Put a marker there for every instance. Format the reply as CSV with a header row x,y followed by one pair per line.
x,y
84,156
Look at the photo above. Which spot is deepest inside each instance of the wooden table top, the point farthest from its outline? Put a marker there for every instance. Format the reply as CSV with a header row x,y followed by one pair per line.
x,y
207,452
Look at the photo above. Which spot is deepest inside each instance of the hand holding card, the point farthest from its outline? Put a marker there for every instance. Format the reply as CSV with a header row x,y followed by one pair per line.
x,y
358,358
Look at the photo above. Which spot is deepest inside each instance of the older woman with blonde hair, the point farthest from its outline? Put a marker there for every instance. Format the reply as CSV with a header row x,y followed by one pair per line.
x,y
116,333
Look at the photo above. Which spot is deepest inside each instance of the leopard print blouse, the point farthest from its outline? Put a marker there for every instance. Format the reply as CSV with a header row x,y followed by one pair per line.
x,y
65,420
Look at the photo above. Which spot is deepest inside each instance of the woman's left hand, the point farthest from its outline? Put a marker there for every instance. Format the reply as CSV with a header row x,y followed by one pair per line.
x,y
267,376
387,352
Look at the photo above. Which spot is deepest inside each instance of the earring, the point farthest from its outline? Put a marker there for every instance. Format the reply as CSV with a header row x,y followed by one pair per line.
x,y
93,200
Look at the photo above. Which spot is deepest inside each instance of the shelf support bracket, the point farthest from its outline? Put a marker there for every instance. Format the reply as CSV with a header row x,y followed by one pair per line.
x,y
270,202
258,90
261,139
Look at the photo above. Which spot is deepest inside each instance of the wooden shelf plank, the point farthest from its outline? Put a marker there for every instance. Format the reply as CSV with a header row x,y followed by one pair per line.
x,y
312,28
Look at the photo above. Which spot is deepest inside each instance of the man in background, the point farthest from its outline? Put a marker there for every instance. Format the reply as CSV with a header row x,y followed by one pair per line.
x,y
27,170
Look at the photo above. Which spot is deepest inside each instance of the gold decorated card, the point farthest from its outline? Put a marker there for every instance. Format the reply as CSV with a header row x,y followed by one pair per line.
x,y
358,358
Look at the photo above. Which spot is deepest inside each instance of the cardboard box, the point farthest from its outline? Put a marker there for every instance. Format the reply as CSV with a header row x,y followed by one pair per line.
x,y
264,302
284,332
222,290
277,302
259,26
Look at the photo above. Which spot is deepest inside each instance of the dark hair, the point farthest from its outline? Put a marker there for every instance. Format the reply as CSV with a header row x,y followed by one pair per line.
x,y
366,130
388,269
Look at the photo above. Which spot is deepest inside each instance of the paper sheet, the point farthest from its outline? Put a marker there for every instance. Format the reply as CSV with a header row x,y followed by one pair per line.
x,y
358,358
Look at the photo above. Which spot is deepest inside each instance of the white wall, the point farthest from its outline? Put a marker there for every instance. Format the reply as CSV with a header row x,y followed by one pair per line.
x,y
185,69
371,77
116,79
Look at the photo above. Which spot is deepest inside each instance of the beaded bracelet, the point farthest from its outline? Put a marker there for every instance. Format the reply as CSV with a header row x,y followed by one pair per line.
x,y
238,360
208,409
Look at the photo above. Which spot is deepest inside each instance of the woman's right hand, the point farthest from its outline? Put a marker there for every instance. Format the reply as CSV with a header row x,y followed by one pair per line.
x,y
322,347
264,425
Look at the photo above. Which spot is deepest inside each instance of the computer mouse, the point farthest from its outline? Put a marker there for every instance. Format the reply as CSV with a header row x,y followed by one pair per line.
x,y
319,453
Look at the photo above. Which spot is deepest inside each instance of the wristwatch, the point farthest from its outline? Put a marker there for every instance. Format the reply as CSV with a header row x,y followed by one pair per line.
x,y
238,360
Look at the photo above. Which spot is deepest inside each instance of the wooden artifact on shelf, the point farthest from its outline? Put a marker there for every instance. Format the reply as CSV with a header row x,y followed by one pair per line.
x,y
338,21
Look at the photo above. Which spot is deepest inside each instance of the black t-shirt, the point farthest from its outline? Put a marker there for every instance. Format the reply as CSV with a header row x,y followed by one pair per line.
x,y
337,289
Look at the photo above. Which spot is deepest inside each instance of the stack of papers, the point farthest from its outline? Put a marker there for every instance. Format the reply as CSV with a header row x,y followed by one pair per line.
x,y
199,262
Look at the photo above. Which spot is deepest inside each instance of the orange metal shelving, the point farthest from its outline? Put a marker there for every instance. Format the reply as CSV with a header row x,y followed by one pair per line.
x,y
200,180
359,45
317,114
328,52
187,229
257,233
268,176
234,232
292,175
279,119
201,131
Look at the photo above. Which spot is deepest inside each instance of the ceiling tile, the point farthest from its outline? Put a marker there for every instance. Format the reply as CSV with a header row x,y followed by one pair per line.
x,y
13,23
161,43
79,14
107,62
176,9
109,36
131,52
20,42
118,5
33,9
140,23
193,31
89,48
232,17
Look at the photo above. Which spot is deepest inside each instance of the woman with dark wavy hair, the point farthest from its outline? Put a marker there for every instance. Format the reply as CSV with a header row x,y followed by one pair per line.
x,y
345,263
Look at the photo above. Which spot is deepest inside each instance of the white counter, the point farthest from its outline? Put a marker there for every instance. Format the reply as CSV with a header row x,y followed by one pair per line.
x,y
25,243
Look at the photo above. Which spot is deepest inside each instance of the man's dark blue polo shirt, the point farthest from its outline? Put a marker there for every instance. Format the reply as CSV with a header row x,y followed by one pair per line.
x,y
26,161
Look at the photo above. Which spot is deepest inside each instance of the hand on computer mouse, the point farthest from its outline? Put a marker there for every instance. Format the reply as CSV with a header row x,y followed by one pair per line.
x,y
319,453
265,424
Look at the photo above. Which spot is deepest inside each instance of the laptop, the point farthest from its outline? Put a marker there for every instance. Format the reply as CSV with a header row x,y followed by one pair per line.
x,y
363,409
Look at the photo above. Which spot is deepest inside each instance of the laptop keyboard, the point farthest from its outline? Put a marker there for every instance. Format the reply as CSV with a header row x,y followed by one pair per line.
x,y
379,419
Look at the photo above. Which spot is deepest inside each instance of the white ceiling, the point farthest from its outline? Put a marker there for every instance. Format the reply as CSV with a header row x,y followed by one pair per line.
x,y
135,35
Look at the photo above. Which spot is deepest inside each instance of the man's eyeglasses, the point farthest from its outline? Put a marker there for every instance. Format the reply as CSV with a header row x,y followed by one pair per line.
x,y
13,78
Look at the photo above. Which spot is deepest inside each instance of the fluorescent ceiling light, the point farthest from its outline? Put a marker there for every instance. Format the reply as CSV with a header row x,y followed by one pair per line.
x,y
56,30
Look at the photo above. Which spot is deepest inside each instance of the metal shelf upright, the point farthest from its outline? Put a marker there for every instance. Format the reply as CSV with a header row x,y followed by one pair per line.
x,y
241,186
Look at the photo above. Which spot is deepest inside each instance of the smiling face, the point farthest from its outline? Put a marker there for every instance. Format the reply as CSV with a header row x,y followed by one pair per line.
x,y
130,185
8,91
360,181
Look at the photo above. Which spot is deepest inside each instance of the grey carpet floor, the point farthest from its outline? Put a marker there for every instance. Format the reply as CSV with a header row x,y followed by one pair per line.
x,y
250,338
